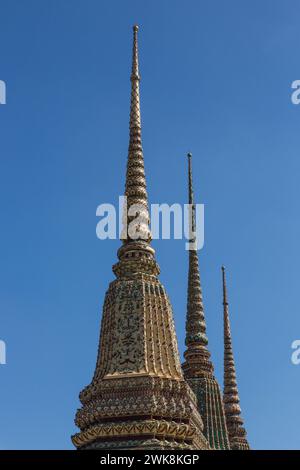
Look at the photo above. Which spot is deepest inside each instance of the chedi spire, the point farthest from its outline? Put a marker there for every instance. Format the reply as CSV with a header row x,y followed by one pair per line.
x,y
198,369
196,339
236,430
135,186
138,398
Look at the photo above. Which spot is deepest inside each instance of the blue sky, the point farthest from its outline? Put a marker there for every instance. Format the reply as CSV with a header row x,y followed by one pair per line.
x,y
216,80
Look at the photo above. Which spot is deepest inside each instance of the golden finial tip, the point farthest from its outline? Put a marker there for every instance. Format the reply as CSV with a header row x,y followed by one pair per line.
x,y
135,28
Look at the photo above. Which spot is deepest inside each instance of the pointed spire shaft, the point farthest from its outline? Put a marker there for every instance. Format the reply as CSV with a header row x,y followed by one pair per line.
x,y
229,366
192,220
236,431
135,115
136,233
197,355
198,368
135,187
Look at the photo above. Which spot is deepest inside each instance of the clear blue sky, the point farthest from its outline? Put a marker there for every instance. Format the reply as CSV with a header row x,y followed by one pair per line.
x,y
216,80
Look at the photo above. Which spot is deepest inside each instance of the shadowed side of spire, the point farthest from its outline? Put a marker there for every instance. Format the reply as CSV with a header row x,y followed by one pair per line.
x,y
198,369
236,431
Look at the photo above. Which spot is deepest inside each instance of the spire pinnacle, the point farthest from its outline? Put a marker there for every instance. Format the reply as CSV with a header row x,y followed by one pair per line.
x,y
236,430
135,186
135,55
197,355
192,221
224,286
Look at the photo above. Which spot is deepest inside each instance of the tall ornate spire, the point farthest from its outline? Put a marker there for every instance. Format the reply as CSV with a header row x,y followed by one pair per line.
x,y
135,187
197,355
198,369
236,431
136,233
138,398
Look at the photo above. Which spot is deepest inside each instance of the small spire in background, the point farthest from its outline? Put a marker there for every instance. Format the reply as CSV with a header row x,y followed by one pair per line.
x,y
196,338
236,430
198,368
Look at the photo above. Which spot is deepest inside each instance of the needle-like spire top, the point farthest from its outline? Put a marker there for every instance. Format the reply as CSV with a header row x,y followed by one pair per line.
x,y
192,221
